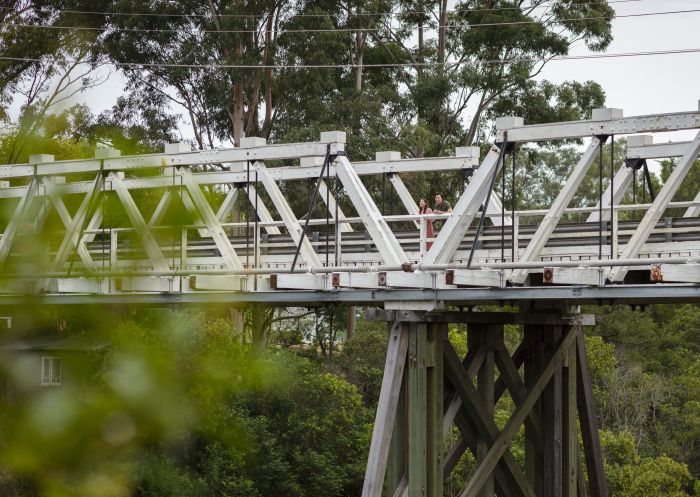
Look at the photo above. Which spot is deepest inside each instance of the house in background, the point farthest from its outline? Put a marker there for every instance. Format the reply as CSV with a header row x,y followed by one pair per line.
x,y
31,365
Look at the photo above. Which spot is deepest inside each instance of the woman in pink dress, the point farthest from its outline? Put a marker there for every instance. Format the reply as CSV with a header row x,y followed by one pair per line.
x,y
423,208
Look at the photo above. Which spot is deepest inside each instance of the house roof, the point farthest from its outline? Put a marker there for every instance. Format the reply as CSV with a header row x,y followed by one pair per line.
x,y
60,342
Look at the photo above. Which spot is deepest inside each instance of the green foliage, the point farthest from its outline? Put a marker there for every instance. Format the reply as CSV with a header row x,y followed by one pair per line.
x,y
181,408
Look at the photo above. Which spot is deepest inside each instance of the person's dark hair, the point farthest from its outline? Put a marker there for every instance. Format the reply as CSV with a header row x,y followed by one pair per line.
x,y
424,209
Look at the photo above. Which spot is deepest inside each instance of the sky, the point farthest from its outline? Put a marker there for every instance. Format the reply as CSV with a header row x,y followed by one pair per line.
x,y
638,85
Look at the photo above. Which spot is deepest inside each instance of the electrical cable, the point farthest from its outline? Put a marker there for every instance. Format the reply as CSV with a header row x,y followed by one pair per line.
x,y
458,26
370,66
351,14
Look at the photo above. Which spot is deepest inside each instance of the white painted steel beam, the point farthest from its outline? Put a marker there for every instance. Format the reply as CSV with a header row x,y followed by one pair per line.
x,y
623,180
324,194
693,210
665,195
681,273
238,174
472,277
493,211
406,198
615,124
384,239
658,150
17,219
72,240
551,219
216,231
262,211
294,228
456,226
132,211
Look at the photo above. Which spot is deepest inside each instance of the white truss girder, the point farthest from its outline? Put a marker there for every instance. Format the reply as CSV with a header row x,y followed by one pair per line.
x,y
306,250
150,244
665,195
622,181
384,239
216,231
610,126
464,211
551,219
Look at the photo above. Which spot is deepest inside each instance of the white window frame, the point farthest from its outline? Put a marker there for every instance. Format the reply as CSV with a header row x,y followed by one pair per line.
x,y
49,378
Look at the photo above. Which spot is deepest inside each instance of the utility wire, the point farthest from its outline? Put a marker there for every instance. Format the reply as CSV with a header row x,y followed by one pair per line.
x,y
371,66
351,14
458,26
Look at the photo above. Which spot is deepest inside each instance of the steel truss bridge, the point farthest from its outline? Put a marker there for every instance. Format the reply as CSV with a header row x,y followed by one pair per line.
x,y
63,244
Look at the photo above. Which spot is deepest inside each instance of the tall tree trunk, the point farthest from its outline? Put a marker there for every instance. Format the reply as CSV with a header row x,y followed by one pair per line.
x,y
267,124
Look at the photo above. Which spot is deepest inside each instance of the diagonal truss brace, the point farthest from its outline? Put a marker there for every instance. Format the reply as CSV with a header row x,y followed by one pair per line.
x,y
132,211
291,222
665,195
466,208
212,223
551,219
72,240
483,423
17,219
623,180
388,246
323,193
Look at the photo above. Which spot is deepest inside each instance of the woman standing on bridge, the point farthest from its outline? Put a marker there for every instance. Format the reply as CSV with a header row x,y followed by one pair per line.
x,y
423,209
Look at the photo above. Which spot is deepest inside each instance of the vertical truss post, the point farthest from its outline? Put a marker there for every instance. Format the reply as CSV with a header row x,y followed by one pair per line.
x,y
551,219
396,470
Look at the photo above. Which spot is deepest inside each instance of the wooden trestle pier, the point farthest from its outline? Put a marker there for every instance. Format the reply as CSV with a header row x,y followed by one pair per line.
x,y
428,387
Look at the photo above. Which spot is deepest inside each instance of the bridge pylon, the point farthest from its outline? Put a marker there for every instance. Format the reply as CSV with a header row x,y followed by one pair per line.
x,y
428,388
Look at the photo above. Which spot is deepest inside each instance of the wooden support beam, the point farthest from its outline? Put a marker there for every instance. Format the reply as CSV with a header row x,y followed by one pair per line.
x,y
518,359
386,411
533,353
570,431
397,464
417,410
478,413
500,445
552,420
597,484
487,337
437,335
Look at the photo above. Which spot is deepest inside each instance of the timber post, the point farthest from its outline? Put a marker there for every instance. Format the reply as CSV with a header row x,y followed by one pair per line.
x,y
429,390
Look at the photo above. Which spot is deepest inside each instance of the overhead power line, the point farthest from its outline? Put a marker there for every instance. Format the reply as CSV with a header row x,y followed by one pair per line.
x,y
352,30
352,14
373,66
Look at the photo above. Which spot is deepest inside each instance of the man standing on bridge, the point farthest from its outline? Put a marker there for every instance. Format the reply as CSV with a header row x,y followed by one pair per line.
x,y
441,206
